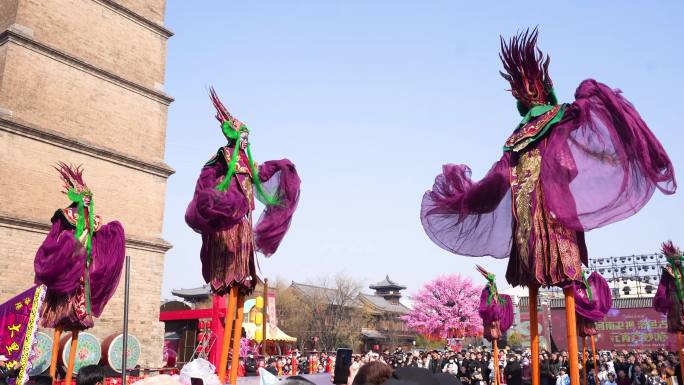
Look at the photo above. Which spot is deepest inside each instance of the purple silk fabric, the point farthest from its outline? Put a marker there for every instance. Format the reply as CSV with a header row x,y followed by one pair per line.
x,y
279,177
600,164
109,250
60,262
607,162
602,300
662,301
211,210
495,311
470,218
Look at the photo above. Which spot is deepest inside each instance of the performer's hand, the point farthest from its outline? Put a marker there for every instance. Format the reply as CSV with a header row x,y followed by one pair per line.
x,y
83,238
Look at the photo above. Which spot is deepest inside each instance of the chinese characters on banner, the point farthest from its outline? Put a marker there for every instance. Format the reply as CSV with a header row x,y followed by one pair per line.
x,y
272,317
624,329
18,327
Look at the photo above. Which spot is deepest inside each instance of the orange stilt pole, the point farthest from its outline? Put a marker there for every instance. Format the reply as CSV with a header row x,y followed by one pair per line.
x,y
584,361
571,325
534,335
496,362
55,353
227,333
72,357
593,353
235,360
681,354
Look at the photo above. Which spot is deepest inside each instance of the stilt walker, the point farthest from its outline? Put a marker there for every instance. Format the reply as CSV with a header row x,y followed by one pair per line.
x,y
221,211
669,298
80,263
536,202
593,300
496,311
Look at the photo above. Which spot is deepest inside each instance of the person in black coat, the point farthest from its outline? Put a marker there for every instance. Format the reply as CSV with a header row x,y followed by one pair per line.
x,y
513,372
250,365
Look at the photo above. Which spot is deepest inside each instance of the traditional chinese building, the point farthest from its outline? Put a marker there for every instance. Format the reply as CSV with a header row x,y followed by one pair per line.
x,y
82,81
383,328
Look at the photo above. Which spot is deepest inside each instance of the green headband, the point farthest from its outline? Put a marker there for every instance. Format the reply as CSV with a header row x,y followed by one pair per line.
x,y
230,132
225,184
677,276
492,289
77,198
590,295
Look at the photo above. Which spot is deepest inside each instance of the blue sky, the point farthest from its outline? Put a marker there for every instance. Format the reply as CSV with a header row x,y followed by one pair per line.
x,y
370,98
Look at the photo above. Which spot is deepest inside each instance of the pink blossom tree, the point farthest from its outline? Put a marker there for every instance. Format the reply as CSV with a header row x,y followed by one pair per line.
x,y
446,307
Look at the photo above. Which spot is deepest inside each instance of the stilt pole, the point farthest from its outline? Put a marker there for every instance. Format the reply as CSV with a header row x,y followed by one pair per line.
x,y
681,353
235,360
55,354
593,354
584,361
571,325
495,364
231,298
534,335
72,357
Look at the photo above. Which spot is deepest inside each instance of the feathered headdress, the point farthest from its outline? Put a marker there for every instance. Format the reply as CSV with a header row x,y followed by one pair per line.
x,y
72,177
670,250
527,70
76,189
491,283
232,128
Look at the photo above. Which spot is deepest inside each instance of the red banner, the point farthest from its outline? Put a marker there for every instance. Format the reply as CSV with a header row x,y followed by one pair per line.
x,y
623,329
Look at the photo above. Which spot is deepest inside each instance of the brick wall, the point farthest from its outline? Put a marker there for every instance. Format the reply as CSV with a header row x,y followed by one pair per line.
x,y
79,82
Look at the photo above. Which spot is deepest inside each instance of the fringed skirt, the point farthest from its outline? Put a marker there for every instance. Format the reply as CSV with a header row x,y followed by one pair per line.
x,y
231,259
67,312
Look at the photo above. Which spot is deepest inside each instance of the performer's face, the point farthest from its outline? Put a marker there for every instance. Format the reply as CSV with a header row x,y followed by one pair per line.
x,y
244,139
86,200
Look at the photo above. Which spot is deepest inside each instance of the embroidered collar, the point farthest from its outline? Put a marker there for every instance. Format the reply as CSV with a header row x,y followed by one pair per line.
x,y
71,215
533,126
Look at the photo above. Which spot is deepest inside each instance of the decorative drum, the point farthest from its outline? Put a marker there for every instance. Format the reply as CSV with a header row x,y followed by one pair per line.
x,y
41,355
112,347
87,352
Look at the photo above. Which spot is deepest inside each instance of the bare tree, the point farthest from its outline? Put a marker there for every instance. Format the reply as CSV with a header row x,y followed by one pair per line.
x,y
325,314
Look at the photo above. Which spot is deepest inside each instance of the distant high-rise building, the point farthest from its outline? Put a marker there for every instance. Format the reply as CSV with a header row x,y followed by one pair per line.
x,y
81,81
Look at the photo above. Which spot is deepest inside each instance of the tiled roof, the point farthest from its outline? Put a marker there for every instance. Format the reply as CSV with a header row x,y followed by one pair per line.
x,y
324,293
195,292
387,283
383,304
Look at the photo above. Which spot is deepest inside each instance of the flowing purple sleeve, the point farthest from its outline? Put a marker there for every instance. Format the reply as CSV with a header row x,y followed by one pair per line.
x,y
601,302
468,218
662,302
109,248
60,261
211,210
602,162
495,311
279,177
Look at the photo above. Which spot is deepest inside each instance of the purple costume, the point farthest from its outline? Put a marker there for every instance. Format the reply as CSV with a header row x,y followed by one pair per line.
x,y
669,298
496,310
566,169
224,217
591,305
80,275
